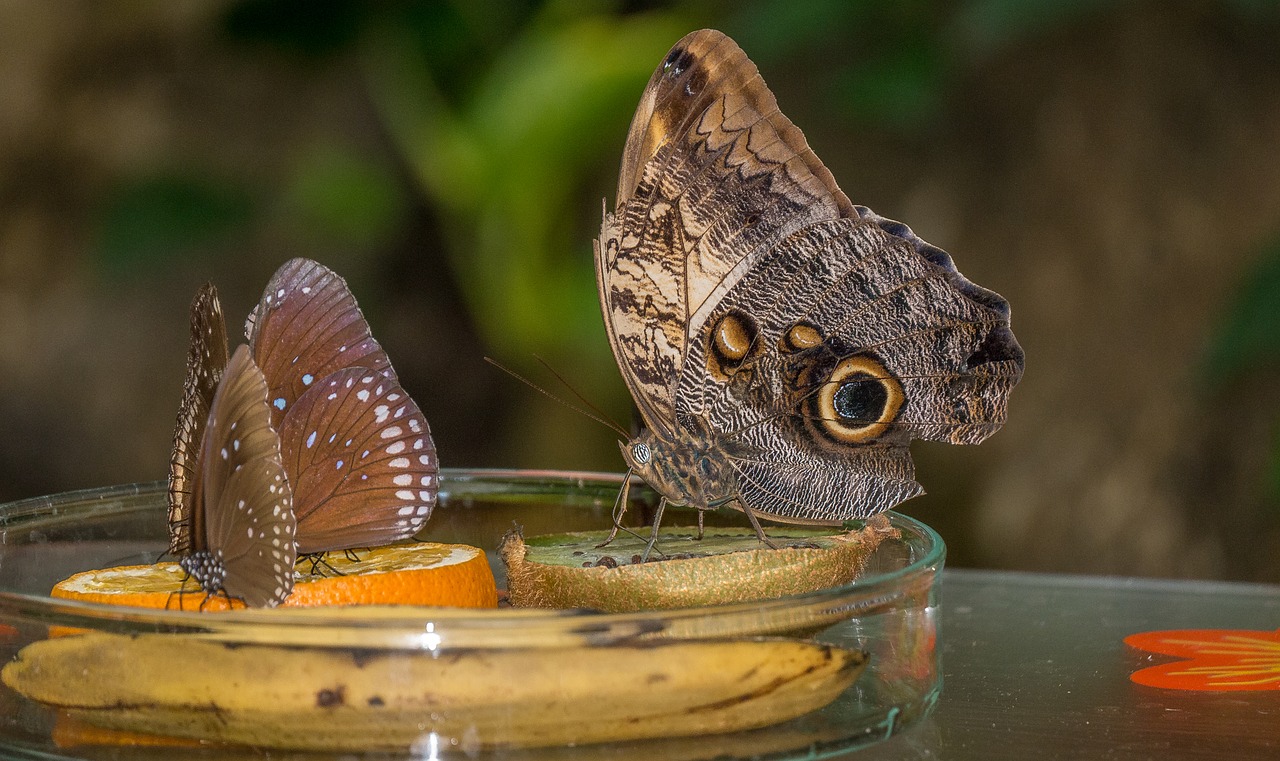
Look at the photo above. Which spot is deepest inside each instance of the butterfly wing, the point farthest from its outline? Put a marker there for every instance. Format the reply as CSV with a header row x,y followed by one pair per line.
x,y
713,176
813,337
863,343
206,359
306,326
363,463
248,513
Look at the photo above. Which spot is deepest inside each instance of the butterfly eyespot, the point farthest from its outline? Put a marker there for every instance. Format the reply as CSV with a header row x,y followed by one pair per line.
x,y
857,402
860,399
640,453
799,337
733,342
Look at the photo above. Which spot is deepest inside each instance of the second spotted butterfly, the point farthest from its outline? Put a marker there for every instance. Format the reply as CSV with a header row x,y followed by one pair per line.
x,y
357,464
357,448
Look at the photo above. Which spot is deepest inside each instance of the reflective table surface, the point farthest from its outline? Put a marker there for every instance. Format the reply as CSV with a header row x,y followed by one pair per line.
x,y
1036,667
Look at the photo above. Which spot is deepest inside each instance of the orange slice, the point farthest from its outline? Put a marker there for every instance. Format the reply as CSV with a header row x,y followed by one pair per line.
x,y
453,575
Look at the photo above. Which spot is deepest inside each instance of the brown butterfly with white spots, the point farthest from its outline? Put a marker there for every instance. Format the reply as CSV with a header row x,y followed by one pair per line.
x,y
240,524
206,361
783,345
357,448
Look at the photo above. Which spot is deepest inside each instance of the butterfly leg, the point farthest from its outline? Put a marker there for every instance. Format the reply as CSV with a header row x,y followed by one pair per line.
x,y
619,508
755,524
700,514
653,535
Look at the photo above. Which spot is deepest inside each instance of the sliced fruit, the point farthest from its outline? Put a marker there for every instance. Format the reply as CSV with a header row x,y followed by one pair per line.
x,y
455,575
726,565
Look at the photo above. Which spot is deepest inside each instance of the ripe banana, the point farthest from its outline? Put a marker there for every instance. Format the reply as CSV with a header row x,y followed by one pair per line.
x,y
341,699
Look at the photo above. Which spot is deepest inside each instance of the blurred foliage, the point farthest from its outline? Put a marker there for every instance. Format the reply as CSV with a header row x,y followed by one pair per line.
x,y
338,194
1249,338
1248,342
512,164
151,219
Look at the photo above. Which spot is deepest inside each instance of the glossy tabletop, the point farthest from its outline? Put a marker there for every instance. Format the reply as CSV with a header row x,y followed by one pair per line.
x,y
1036,667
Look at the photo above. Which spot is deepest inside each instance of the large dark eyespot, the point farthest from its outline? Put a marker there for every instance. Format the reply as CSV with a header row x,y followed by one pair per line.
x,y
732,342
858,401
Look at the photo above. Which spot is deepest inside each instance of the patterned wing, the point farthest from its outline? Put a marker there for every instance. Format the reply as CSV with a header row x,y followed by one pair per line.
x,y
205,361
248,514
713,176
362,460
859,338
306,326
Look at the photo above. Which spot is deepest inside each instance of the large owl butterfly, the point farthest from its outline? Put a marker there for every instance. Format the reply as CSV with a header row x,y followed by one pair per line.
x,y
783,345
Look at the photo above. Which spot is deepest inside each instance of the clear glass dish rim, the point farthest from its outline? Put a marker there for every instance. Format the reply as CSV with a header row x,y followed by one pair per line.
x,y
866,592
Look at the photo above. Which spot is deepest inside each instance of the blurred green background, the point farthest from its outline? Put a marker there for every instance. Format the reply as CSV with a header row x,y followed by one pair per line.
x,y
1112,168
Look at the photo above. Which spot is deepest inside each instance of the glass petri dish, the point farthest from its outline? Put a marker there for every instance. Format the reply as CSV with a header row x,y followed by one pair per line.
x,y
566,680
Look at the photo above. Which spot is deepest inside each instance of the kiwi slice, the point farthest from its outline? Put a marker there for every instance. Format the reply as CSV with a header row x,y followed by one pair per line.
x,y
727,565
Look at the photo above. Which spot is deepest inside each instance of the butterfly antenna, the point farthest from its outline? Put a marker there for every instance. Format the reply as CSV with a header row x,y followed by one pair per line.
x,y
594,414
585,401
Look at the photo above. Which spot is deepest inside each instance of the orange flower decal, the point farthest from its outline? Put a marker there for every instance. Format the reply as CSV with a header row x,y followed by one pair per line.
x,y
1218,659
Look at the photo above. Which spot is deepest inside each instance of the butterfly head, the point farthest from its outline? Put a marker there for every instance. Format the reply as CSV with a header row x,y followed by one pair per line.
x,y
691,472
207,568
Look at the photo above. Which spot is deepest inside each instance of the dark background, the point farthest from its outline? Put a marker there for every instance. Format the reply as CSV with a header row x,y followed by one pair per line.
x,y
1112,168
